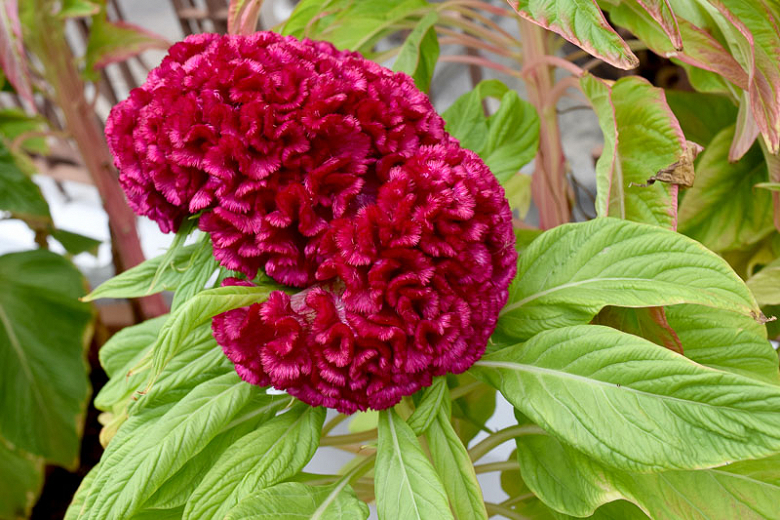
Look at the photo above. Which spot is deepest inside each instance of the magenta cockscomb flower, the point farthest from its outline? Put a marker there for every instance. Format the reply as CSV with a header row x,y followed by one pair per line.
x,y
331,174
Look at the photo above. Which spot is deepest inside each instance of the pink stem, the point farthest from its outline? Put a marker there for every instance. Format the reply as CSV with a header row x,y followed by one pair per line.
x,y
482,62
554,61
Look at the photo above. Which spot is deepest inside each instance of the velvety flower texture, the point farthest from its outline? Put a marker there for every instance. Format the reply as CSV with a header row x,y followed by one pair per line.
x,y
334,175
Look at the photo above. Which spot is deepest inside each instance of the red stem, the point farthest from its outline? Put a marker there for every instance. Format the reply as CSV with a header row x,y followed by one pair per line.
x,y
83,126
548,186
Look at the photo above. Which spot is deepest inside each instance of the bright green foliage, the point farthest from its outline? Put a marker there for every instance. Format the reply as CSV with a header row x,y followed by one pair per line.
x,y
420,52
272,453
292,501
651,401
572,483
454,466
641,137
571,272
43,377
406,484
506,140
766,284
428,408
18,193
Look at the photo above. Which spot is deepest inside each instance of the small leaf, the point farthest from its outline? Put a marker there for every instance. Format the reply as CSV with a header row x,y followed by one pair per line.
x,y
75,243
112,42
507,140
454,466
583,24
406,484
771,186
657,410
277,450
641,137
661,12
136,282
432,401
568,274
43,376
78,8
420,51
293,501
723,211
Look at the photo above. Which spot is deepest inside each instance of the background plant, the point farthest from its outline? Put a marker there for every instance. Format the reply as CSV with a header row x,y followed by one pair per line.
x,y
637,360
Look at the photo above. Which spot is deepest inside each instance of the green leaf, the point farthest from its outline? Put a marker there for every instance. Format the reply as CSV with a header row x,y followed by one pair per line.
x,y
363,421
78,8
174,439
18,193
430,404
406,484
85,486
507,140
518,193
420,52
701,116
723,211
124,346
21,481
277,450
572,483
307,14
194,279
43,375
293,500
176,490
583,24
111,42
137,281
195,312
704,56
454,466
751,29
13,60
571,272
657,410
661,12
641,137
74,243
765,284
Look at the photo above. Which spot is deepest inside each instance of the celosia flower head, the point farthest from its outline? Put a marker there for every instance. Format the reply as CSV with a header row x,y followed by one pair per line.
x,y
334,175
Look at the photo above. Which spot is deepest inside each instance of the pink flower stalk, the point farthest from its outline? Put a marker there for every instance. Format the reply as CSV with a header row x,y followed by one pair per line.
x,y
335,175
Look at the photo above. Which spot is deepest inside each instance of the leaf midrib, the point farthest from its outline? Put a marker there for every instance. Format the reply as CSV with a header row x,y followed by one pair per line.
x,y
397,449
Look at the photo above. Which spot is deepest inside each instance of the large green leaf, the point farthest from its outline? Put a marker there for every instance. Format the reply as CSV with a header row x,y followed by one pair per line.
x,y
277,450
454,466
570,273
293,501
195,312
657,410
420,52
406,484
433,399
583,24
43,376
174,439
641,137
141,280
572,483
723,210
507,140
21,480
